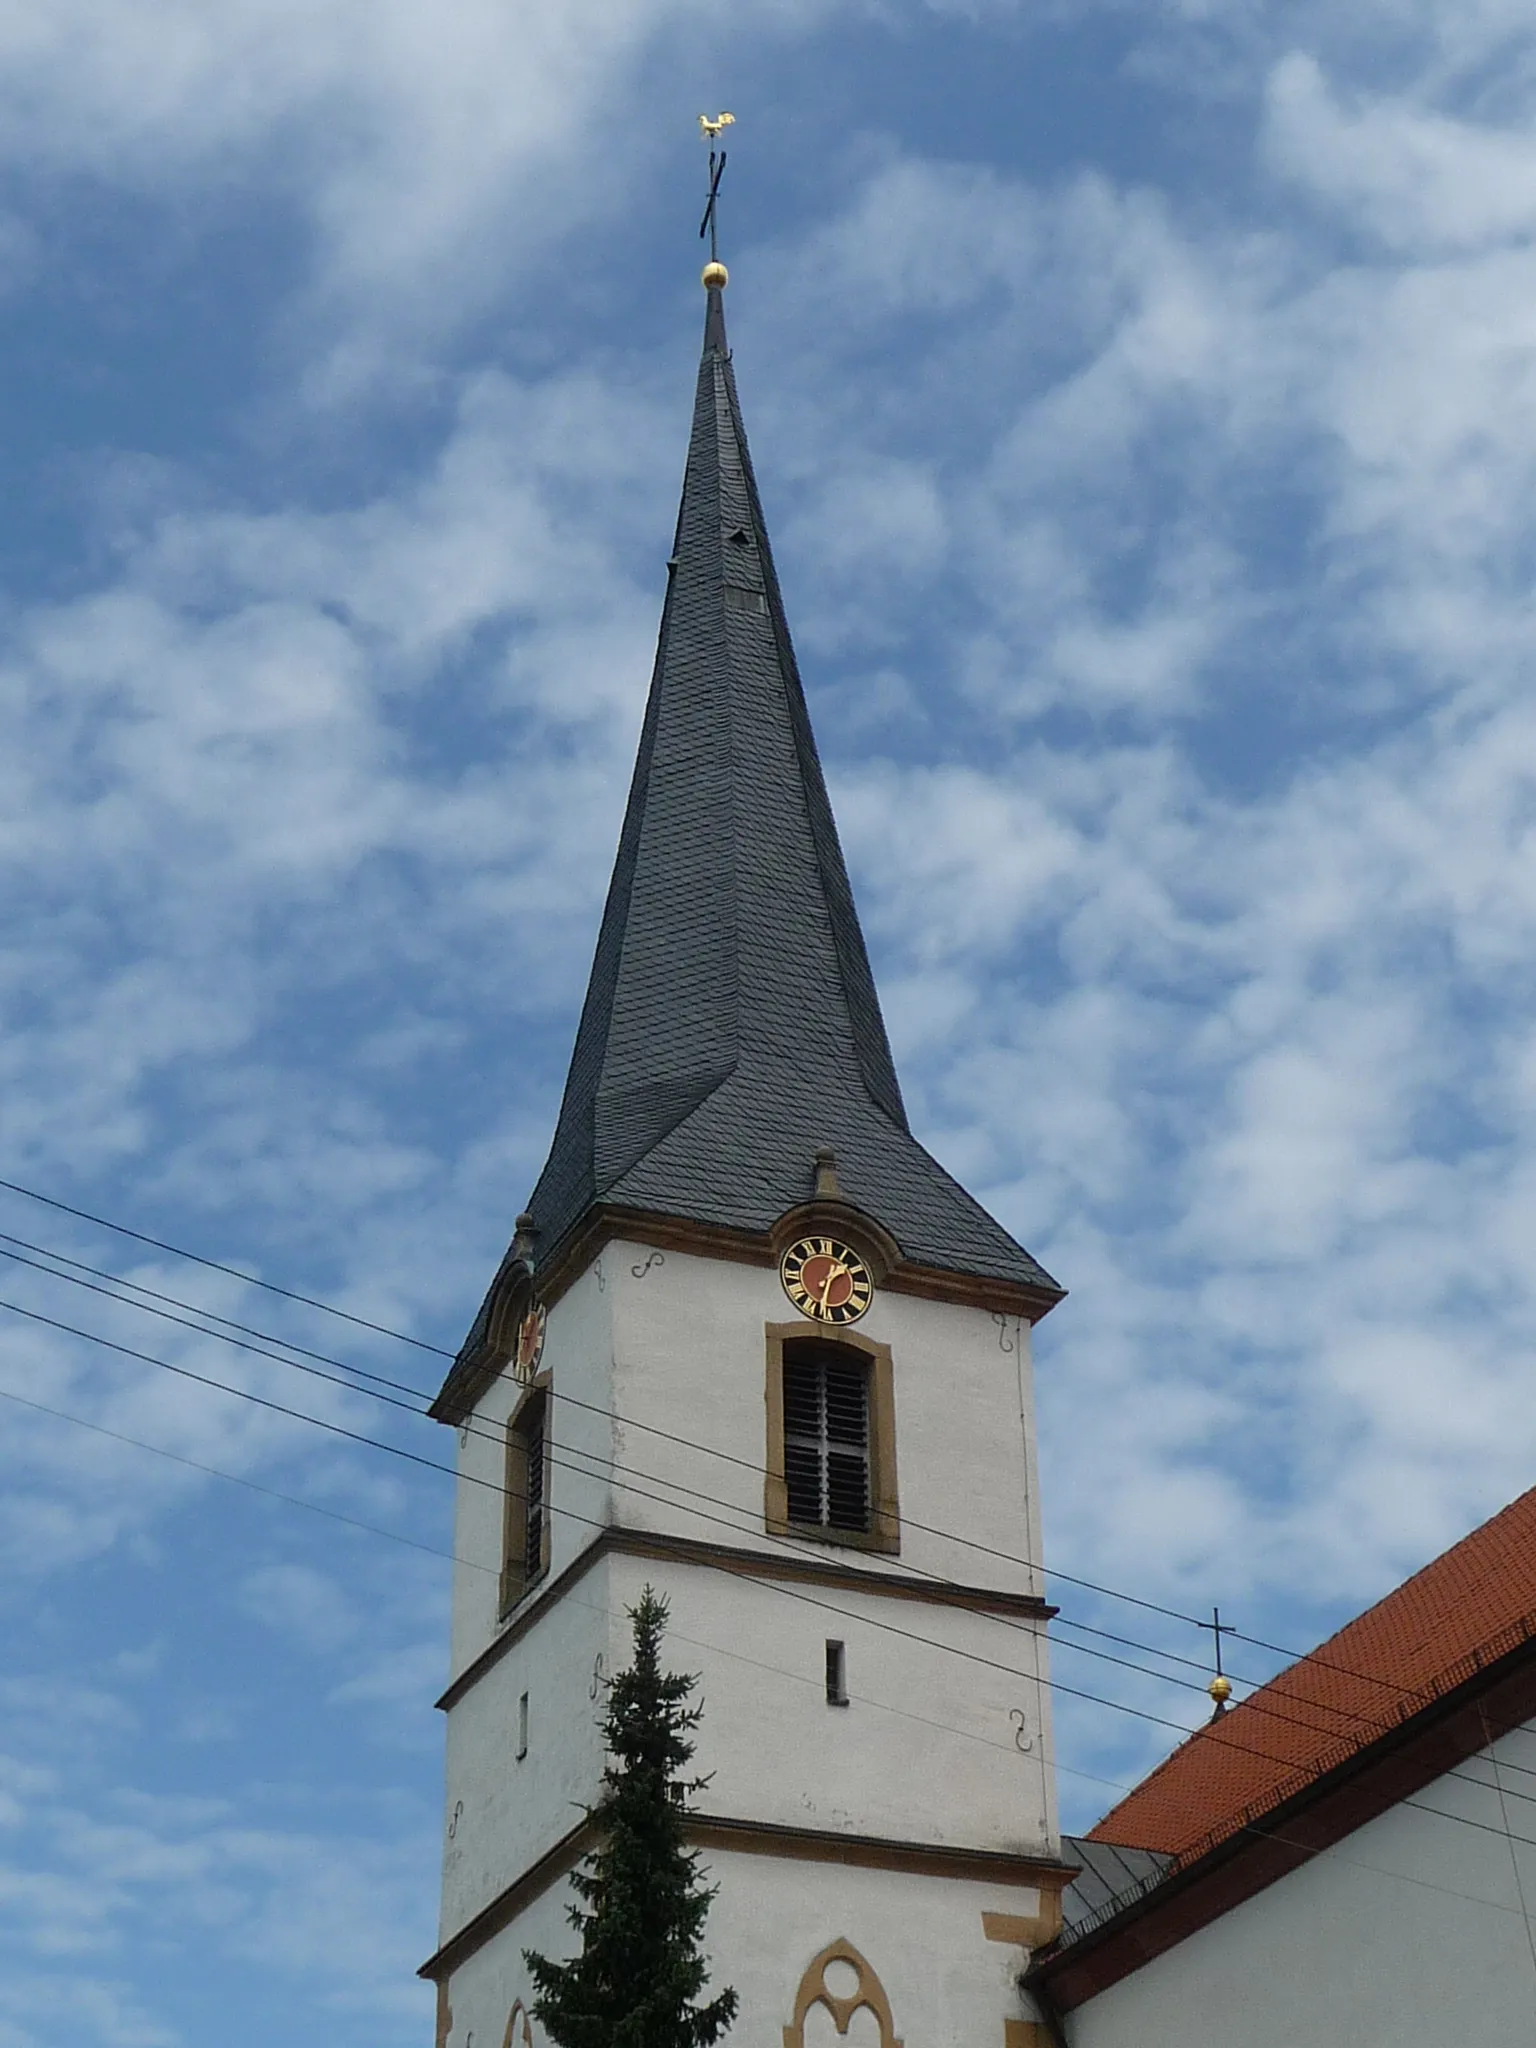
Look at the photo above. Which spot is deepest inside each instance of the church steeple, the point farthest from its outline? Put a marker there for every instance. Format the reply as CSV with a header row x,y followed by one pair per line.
x,y
663,1390
731,1027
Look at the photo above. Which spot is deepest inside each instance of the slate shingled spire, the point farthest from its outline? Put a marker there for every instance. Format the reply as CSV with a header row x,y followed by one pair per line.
x,y
731,1025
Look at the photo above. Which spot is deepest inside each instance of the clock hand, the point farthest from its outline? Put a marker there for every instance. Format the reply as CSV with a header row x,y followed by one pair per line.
x,y
838,1269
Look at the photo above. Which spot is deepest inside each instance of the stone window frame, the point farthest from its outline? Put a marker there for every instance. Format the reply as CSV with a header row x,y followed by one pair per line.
x,y
516,1580
884,1531
868,1993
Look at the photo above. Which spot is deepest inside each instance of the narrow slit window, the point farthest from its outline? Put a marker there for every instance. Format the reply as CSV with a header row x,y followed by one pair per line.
x,y
826,1437
837,1674
522,1727
525,1553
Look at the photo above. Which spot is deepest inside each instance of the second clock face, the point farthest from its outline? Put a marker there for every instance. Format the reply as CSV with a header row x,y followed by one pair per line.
x,y
826,1280
530,1343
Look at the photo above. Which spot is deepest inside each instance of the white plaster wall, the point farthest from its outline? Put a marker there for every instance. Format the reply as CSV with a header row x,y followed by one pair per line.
x,y
928,1750
949,1987
1408,1932
483,1991
936,1747
578,1356
506,1812
689,1359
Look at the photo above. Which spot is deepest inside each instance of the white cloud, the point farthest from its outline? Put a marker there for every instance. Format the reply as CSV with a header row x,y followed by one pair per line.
x,y
1228,1023
1419,179
400,1681
1192,817
326,1909
401,131
243,728
421,155
35,2006
298,1601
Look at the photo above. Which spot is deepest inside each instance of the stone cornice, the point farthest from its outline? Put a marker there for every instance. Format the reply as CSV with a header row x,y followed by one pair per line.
x,y
791,1566
722,1832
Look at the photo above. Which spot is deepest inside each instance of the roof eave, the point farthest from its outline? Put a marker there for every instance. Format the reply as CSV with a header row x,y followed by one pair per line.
x,y
601,1224
1270,1845
668,1232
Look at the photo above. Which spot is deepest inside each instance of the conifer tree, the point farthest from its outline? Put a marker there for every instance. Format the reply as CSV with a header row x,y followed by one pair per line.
x,y
637,1979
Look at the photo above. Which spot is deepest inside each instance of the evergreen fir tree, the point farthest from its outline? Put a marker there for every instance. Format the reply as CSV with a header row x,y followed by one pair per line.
x,y
641,1969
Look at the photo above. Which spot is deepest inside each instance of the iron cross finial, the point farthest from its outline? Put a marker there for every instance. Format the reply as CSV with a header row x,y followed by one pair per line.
x,y
711,130
1220,1687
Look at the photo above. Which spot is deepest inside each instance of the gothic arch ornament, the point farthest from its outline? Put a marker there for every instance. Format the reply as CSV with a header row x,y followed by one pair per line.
x,y
512,2038
869,1991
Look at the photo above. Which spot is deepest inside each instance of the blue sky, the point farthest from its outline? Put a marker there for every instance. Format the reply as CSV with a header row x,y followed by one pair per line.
x,y
1145,404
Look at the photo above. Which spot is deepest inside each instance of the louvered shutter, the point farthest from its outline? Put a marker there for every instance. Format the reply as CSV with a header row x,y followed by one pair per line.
x,y
533,1480
826,1436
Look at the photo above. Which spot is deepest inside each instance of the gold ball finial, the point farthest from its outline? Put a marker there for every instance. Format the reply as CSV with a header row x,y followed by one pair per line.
x,y
714,277
1220,1690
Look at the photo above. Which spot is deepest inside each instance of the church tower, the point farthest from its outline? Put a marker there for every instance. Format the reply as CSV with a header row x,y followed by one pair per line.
x,y
753,1346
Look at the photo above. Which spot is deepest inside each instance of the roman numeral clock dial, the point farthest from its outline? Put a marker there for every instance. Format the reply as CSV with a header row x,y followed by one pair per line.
x,y
826,1280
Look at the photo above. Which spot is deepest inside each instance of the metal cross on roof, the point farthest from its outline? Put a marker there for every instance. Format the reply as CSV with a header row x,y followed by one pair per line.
x,y
1220,1687
711,129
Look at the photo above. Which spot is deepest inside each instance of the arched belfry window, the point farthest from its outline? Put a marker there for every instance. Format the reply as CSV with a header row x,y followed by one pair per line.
x,y
831,1465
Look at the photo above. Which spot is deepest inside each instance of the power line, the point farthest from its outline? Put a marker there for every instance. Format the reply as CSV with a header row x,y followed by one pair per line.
x,y
1310,1851
383,1330
241,1393
1260,1704
1514,1858
614,1467
694,1642
358,1373
292,1500
1212,1734
734,1528
400,1336
177,1251
492,1486
155,1294
473,1564
148,1308
396,1387
719,1649
401,1387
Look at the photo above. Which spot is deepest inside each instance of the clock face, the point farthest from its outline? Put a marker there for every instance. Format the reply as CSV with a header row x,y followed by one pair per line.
x,y
826,1279
529,1348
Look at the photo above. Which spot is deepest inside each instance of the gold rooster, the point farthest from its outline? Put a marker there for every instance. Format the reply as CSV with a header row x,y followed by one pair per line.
x,y
710,129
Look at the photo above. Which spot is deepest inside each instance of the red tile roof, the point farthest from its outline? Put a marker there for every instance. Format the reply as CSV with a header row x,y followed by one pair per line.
x,y
1437,1629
